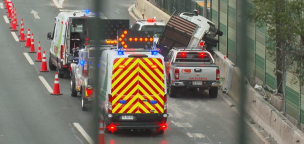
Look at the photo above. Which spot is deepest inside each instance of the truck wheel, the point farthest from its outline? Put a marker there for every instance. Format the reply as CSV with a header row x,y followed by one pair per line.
x,y
213,92
60,73
172,90
73,90
51,66
83,101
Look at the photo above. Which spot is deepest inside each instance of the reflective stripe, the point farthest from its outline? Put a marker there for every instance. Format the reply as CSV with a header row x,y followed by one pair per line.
x,y
56,82
101,132
56,76
100,125
44,60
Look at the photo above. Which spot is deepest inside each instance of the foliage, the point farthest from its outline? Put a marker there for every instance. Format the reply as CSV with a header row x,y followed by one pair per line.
x,y
284,20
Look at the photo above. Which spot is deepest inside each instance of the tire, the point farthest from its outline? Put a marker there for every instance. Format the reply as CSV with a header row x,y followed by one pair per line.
x,y
51,66
83,102
73,85
213,92
60,73
172,90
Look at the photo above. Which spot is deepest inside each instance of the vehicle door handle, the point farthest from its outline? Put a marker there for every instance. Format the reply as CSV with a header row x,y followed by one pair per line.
x,y
198,70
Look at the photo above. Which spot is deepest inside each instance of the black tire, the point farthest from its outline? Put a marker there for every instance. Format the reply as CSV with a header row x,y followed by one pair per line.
x,y
83,102
73,85
51,66
172,90
213,92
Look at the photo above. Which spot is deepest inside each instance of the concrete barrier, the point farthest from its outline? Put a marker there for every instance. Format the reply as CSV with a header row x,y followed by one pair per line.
x,y
257,108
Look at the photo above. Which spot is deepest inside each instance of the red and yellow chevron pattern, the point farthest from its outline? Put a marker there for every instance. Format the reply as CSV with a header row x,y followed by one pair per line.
x,y
138,81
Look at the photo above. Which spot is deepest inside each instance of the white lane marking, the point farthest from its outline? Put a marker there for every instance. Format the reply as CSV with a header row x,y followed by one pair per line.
x,y
177,124
46,84
28,58
84,134
189,134
58,3
6,19
35,14
198,135
186,124
15,36
1,5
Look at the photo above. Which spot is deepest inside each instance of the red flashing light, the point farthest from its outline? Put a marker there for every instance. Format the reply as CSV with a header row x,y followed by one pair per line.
x,y
87,39
202,54
201,43
150,20
86,43
89,91
112,128
183,54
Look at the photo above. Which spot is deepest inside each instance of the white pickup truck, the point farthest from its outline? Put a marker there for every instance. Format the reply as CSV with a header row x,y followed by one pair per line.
x,y
188,68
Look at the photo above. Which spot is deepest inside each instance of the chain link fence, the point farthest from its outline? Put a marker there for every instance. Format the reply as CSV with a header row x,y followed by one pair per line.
x,y
169,6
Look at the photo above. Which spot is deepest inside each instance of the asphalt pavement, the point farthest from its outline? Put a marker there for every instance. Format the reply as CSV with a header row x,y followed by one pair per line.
x,y
30,115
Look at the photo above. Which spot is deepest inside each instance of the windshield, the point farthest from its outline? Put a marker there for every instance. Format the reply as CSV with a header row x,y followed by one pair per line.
x,y
157,29
193,57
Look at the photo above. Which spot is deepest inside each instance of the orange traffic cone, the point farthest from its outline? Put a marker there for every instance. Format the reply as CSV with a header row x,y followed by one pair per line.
x,y
14,27
21,26
43,64
16,19
101,133
28,39
56,89
32,45
22,37
39,53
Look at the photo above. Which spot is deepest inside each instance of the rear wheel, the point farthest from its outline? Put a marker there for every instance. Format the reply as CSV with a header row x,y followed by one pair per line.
x,y
83,101
73,85
51,66
61,73
213,92
172,90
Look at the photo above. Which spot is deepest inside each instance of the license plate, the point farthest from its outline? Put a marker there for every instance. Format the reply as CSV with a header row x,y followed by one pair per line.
x,y
127,117
197,82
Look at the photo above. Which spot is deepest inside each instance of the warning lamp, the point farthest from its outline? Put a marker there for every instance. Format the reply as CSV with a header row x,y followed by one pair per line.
x,y
120,52
202,54
125,32
112,42
122,35
136,39
122,42
107,41
140,39
89,91
112,127
125,46
81,62
151,39
154,52
183,54
120,39
86,43
146,39
130,39
201,43
115,41
87,11
150,20
87,39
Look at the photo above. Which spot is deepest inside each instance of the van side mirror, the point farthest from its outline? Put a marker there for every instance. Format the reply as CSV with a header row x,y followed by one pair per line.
x,y
49,36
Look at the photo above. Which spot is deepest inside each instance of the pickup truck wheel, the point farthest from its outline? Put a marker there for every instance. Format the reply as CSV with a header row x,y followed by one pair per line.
x,y
73,85
172,92
83,102
51,66
60,73
213,92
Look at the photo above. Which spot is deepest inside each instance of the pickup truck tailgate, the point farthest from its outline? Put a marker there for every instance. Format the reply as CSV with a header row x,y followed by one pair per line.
x,y
196,71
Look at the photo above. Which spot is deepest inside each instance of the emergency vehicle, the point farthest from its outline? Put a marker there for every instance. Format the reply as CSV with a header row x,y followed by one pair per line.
x,y
68,36
133,87
72,33
150,24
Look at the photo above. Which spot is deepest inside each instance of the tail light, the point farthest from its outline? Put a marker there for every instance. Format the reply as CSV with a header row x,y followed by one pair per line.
x,y
176,74
217,74
112,127
87,41
89,91
61,51
108,105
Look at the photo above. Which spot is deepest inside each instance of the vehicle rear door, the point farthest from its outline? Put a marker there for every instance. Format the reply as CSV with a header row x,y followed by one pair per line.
x,y
138,85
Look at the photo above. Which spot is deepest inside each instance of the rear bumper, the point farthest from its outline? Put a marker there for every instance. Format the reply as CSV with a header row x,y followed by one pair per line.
x,y
205,84
141,121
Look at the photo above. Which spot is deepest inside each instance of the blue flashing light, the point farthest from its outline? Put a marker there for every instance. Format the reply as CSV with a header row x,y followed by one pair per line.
x,y
98,65
81,62
154,52
87,11
120,52
89,62
153,101
123,101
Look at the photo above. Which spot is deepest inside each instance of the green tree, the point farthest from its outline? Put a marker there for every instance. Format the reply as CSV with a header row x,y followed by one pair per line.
x,y
285,27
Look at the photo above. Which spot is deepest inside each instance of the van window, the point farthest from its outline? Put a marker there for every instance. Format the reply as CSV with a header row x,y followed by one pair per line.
x,y
193,57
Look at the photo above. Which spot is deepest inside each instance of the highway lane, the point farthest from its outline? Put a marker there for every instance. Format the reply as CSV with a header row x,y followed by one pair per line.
x,y
195,118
